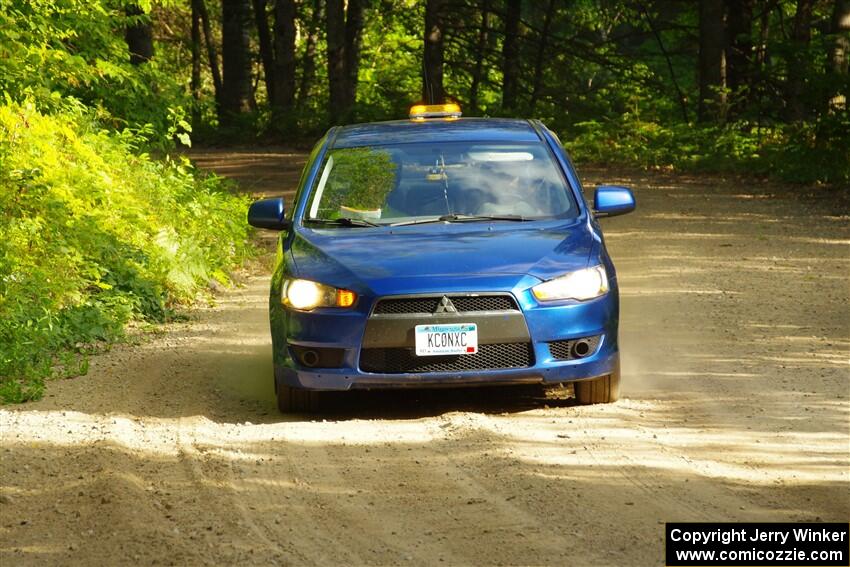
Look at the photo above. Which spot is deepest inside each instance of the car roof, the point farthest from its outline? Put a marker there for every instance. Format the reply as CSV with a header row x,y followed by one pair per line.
x,y
435,130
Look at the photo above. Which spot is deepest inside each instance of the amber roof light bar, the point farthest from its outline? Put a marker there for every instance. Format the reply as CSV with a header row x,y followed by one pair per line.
x,y
423,111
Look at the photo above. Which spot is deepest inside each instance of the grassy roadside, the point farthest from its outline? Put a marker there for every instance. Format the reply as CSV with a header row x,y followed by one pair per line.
x,y
95,235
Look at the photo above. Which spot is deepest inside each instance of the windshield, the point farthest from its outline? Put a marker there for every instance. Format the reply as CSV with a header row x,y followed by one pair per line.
x,y
404,183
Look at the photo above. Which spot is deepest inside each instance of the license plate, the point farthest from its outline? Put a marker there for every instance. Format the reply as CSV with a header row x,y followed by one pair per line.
x,y
456,338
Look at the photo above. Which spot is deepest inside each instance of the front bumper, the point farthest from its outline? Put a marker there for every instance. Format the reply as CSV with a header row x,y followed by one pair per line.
x,y
347,379
361,328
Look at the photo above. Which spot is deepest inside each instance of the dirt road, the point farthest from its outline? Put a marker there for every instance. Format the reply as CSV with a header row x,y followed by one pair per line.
x,y
736,343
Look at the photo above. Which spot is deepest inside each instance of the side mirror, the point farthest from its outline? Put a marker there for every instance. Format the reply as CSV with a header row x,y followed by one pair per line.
x,y
268,213
612,200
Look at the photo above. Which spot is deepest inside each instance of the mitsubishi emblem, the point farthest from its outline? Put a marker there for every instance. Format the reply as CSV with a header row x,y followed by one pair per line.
x,y
445,306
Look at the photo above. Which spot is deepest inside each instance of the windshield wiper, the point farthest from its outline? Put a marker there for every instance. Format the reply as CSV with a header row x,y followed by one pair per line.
x,y
464,218
343,221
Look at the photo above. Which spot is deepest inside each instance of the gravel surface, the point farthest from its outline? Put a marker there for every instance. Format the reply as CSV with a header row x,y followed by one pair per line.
x,y
736,365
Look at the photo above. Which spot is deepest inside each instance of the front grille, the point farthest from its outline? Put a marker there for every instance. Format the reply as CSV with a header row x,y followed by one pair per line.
x,y
462,303
484,303
563,350
407,305
488,357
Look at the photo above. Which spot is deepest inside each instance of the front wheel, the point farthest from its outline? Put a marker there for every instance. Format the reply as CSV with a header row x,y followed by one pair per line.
x,y
297,400
602,390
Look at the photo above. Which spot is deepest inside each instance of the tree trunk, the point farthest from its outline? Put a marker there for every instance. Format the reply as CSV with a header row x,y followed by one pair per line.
x,y
236,60
196,63
353,36
541,54
760,53
510,55
308,62
760,78
839,55
284,57
335,15
739,20
480,52
212,56
432,60
712,60
139,36
798,67
266,49
343,56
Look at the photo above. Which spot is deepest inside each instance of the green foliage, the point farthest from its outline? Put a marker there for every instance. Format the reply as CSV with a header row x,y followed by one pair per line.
x,y
391,62
95,233
799,153
62,53
815,150
93,236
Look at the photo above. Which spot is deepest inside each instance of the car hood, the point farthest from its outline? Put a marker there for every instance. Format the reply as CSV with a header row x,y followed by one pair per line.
x,y
344,256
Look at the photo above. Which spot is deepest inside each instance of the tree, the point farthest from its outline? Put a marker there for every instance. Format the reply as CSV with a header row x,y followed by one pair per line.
x,y
510,55
308,61
739,14
712,60
432,61
195,41
236,91
480,54
277,56
668,59
353,32
336,59
139,35
284,57
541,54
212,56
344,27
839,54
798,67
266,46
761,68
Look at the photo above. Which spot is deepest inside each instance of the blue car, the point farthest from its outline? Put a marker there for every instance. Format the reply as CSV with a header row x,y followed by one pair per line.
x,y
442,251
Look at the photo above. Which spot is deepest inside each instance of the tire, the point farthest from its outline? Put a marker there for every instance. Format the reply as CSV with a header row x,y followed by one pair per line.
x,y
602,390
297,400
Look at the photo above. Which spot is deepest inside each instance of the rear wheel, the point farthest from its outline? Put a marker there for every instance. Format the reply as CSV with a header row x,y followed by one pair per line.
x,y
297,400
602,390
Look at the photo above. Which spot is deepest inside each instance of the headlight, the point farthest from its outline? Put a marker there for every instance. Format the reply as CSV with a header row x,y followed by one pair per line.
x,y
306,295
581,285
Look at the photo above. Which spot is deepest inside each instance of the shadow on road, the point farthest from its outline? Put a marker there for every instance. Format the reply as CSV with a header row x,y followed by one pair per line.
x,y
416,403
